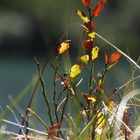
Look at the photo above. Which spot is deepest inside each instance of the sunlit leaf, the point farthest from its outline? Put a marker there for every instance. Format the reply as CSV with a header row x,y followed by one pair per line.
x,y
100,122
84,59
98,8
89,98
86,3
53,130
110,104
100,82
82,16
75,70
64,46
92,35
104,118
106,59
95,52
114,57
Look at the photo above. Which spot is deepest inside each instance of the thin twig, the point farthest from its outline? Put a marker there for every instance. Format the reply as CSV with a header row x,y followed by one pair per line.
x,y
65,85
15,117
44,91
38,118
61,103
55,102
91,78
33,94
121,52
31,129
64,107
21,126
119,119
124,85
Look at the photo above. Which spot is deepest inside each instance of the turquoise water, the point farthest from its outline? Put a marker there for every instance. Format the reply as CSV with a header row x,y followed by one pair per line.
x,y
15,74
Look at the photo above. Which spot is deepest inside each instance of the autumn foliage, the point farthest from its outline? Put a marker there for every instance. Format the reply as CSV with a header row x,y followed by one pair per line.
x,y
81,107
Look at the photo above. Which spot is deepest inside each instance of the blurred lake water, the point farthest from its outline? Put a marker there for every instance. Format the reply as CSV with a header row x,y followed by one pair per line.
x,y
16,74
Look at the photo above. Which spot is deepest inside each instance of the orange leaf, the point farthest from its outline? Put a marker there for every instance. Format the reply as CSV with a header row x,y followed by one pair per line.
x,y
98,8
114,57
86,3
53,129
89,98
106,59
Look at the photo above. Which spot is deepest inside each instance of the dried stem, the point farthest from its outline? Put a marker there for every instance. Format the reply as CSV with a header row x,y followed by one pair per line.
x,y
121,52
32,95
38,118
44,91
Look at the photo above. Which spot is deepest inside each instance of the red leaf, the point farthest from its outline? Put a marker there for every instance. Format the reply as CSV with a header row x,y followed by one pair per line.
x,y
106,59
114,57
86,3
53,129
90,25
87,43
98,8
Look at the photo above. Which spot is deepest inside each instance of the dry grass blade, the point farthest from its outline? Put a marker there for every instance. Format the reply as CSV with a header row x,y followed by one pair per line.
x,y
40,135
136,133
121,109
121,52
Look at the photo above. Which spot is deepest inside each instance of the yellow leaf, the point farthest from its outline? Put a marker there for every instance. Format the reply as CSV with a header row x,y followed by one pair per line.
x,y
100,121
92,35
110,104
91,99
74,71
84,58
100,82
95,52
82,16
63,47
